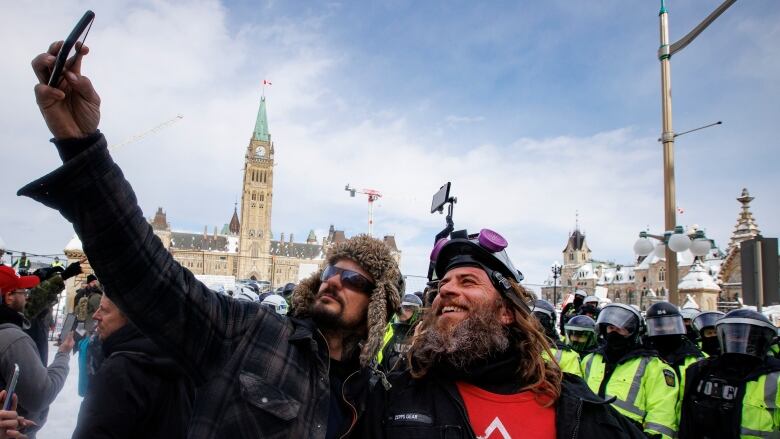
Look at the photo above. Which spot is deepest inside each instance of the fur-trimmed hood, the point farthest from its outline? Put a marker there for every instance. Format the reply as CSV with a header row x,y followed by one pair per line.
x,y
375,258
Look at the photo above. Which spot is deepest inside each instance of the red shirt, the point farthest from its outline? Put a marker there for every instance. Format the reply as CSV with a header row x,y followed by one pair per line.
x,y
494,416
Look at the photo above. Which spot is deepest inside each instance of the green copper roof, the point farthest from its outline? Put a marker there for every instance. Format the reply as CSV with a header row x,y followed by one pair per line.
x,y
261,125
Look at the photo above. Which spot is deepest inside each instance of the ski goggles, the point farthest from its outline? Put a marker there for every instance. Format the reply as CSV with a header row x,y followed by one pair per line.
x,y
349,278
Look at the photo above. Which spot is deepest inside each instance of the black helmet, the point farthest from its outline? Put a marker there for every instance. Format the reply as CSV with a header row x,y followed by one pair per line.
x,y
288,290
581,333
622,316
545,313
743,331
663,318
706,319
485,250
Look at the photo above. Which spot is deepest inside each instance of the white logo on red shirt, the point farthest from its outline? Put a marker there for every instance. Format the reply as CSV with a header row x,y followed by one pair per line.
x,y
495,425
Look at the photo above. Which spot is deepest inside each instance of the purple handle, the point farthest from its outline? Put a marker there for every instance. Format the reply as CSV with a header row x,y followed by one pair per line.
x,y
491,241
437,248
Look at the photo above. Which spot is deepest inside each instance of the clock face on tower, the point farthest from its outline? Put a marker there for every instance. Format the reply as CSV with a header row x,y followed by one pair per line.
x,y
260,152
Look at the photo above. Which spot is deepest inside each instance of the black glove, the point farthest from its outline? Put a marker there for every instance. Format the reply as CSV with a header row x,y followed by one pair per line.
x,y
46,273
72,270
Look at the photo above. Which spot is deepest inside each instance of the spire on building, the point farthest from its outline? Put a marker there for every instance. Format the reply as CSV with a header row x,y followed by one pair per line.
x,y
235,226
312,238
261,125
160,221
746,227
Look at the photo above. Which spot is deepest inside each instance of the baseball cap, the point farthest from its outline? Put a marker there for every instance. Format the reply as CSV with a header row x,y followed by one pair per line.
x,y
10,281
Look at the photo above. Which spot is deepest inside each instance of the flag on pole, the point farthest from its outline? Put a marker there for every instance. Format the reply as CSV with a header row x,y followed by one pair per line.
x,y
266,82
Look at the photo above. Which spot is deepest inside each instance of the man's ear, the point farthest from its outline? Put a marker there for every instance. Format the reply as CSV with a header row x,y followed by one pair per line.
x,y
506,316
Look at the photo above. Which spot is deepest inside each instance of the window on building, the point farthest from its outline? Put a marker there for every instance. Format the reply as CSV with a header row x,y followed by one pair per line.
x,y
662,274
571,256
255,250
262,196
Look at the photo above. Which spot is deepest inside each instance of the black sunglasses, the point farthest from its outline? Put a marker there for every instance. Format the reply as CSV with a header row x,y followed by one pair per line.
x,y
349,278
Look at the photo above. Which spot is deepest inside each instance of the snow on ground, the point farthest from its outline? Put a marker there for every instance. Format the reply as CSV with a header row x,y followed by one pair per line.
x,y
64,410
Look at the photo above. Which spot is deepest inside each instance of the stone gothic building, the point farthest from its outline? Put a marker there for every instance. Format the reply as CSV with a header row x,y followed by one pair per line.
x,y
707,280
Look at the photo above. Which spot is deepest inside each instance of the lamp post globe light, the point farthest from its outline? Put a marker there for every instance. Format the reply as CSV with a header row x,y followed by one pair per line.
x,y
674,242
665,52
556,271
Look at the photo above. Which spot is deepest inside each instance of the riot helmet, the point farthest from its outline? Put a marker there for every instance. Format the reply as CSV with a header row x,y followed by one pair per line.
x,y
621,316
276,302
689,313
581,333
706,319
591,300
663,318
287,291
485,250
743,331
545,314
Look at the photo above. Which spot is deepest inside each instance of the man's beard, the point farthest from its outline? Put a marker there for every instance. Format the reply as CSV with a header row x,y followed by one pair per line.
x,y
332,323
462,344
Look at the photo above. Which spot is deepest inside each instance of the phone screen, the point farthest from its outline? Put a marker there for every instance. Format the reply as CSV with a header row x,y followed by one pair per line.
x,y
11,388
441,197
67,327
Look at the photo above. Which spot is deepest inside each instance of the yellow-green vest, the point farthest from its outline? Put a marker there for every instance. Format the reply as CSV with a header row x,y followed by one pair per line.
x,y
760,407
645,389
389,331
690,359
567,359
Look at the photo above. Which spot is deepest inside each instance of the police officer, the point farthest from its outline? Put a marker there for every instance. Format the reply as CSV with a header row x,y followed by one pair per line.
x,y
567,358
397,333
644,387
590,307
572,309
581,334
704,324
688,314
735,394
666,334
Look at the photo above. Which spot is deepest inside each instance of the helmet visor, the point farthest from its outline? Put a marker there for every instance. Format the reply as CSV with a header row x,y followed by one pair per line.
x,y
743,338
620,317
665,325
706,319
580,338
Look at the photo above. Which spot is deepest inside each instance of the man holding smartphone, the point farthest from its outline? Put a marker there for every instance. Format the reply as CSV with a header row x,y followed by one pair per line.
x,y
259,374
38,385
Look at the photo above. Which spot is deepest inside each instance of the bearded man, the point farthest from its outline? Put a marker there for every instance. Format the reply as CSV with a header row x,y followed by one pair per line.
x,y
476,367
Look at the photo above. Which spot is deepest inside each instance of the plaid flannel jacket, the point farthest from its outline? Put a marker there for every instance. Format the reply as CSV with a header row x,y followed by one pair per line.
x,y
259,375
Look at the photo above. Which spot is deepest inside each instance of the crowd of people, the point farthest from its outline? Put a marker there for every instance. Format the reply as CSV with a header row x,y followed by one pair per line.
x,y
351,355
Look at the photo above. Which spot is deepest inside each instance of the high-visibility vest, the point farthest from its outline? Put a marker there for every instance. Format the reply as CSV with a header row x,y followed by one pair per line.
x,y
567,359
385,340
645,389
761,407
690,359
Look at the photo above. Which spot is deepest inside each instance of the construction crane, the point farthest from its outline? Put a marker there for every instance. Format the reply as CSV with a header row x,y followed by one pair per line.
x,y
373,195
140,136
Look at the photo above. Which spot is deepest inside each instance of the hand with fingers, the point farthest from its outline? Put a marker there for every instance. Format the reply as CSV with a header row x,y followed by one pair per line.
x,y
10,421
72,109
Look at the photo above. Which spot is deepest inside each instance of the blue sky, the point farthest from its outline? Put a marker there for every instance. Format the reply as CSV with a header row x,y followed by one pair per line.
x,y
534,110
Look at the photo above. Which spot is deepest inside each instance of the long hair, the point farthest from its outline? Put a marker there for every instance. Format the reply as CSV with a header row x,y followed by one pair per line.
x,y
537,375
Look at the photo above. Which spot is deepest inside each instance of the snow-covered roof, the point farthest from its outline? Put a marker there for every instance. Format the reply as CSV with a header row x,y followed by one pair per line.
x,y
585,272
623,275
698,279
74,245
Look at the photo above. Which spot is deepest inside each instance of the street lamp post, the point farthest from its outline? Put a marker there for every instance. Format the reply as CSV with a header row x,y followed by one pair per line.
x,y
556,271
665,52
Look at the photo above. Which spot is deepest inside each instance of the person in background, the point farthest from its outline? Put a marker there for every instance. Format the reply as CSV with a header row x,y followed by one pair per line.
x,y
23,263
666,334
38,385
704,324
396,341
736,393
590,307
644,388
581,335
688,314
57,262
572,309
566,357
138,391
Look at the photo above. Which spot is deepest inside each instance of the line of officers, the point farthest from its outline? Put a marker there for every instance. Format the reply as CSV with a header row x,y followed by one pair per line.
x,y
686,374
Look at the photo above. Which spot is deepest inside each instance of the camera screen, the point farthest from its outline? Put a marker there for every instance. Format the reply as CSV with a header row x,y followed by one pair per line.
x,y
441,197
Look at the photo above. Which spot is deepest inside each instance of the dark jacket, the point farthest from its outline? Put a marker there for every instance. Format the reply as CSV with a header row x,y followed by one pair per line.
x,y
260,375
432,407
137,392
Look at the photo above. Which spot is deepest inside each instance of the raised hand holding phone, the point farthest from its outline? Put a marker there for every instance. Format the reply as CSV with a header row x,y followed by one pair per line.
x,y
72,108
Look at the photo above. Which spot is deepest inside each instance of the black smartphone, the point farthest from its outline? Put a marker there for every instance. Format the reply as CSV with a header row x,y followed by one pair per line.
x,y
440,198
77,35
67,326
9,391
